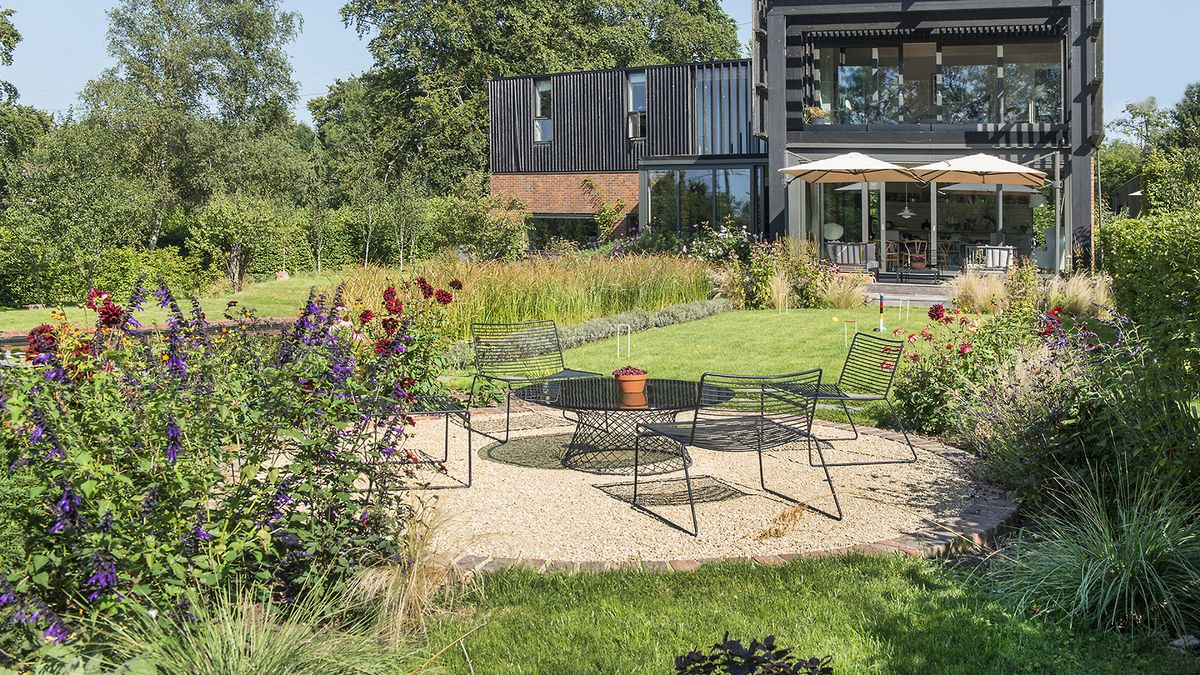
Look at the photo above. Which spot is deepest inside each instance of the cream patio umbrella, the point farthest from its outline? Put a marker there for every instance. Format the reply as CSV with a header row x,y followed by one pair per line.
x,y
853,167
980,169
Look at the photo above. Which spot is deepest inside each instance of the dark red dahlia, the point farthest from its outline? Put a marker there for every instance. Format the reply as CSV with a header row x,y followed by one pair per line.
x,y
366,316
389,294
390,325
443,297
383,346
455,284
111,314
41,341
394,307
425,287
937,312
97,298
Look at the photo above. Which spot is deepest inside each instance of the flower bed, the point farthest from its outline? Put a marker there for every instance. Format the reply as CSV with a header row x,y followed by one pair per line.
x,y
153,469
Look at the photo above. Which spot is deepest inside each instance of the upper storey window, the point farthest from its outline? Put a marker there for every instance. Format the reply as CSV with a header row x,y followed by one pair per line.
x,y
543,114
636,98
930,83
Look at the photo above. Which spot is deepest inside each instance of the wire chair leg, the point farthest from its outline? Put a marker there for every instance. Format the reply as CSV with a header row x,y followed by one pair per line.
x,y
446,444
637,456
687,477
471,394
899,423
470,450
850,418
829,479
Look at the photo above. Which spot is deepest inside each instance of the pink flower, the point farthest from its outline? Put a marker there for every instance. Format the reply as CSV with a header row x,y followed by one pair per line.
x,y
964,348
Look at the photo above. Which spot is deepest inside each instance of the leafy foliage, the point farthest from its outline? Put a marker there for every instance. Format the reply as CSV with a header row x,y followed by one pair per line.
x,y
1118,552
1155,267
757,658
209,457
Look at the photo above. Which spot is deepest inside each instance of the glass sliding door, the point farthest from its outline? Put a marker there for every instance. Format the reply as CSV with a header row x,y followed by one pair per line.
x,y
840,212
1033,83
919,88
890,107
969,84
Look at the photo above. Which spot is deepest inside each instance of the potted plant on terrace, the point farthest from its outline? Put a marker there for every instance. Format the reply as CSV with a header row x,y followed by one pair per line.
x,y
917,261
632,384
631,380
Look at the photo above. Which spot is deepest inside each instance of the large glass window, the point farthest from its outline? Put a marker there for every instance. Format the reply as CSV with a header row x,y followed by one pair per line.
x,y
969,84
543,122
664,200
683,199
1033,83
734,201
696,198
637,104
920,79
927,83
890,106
840,208
855,86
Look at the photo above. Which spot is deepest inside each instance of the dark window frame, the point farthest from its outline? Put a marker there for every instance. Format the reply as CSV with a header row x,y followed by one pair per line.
x,y
543,120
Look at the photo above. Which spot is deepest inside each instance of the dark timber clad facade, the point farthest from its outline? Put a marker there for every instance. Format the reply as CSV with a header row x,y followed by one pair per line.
x,y
908,81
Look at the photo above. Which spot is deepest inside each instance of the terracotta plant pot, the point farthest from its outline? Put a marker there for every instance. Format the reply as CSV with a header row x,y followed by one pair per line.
x,y
918,265
633,401
632,384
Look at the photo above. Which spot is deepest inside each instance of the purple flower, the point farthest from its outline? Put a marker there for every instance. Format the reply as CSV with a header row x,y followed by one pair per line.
x,y
137,297
57,632
164,296
201,534
174,439
66,511
8,595
104,575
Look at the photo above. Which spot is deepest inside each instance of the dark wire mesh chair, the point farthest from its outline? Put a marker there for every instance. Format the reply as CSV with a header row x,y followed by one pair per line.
x,y
867,376
518,354
743,413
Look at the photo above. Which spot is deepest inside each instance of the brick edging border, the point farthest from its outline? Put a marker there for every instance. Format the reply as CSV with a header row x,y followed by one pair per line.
x,y
977,525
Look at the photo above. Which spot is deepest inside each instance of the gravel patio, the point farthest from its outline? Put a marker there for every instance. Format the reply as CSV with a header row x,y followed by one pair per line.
x,y
524,505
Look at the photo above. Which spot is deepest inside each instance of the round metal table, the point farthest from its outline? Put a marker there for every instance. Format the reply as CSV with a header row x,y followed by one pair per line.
x,y
606,422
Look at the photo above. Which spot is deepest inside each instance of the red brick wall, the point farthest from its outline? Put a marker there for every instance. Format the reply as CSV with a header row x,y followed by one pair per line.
x,y
565,193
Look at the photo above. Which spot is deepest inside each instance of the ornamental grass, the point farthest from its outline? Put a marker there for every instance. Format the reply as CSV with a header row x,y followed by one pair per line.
x,y
570,289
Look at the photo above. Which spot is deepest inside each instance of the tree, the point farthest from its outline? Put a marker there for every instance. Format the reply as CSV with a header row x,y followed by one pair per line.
x,y
199,96
9,37
1120,161
1143,122
1185,119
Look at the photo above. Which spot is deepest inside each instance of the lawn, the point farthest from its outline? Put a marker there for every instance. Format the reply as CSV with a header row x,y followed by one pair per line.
x,y
269,298
873,614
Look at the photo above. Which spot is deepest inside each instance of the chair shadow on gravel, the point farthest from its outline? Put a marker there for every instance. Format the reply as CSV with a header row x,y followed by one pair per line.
x,y
531,452
673,491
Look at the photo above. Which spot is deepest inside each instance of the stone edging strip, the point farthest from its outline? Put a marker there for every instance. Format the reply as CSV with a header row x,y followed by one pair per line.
x,y
976,526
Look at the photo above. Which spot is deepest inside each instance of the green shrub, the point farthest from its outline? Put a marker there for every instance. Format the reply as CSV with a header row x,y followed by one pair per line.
x,y
1120,552
478,226
219,458
122,269
1154,263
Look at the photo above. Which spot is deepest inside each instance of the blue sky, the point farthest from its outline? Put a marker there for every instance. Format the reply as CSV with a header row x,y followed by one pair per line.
x,y
1148,50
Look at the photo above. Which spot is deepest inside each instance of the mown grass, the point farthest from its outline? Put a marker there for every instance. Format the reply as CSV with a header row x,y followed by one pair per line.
x,y
750,342
268,298
873,614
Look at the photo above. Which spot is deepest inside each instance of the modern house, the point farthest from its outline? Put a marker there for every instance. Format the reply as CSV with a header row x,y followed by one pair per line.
x,y
906,81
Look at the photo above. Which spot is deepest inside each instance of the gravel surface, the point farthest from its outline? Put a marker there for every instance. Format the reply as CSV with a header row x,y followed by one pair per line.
x,y
523,504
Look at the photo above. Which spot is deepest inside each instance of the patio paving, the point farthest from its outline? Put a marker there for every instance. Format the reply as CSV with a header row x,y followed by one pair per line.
x,y
526,509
